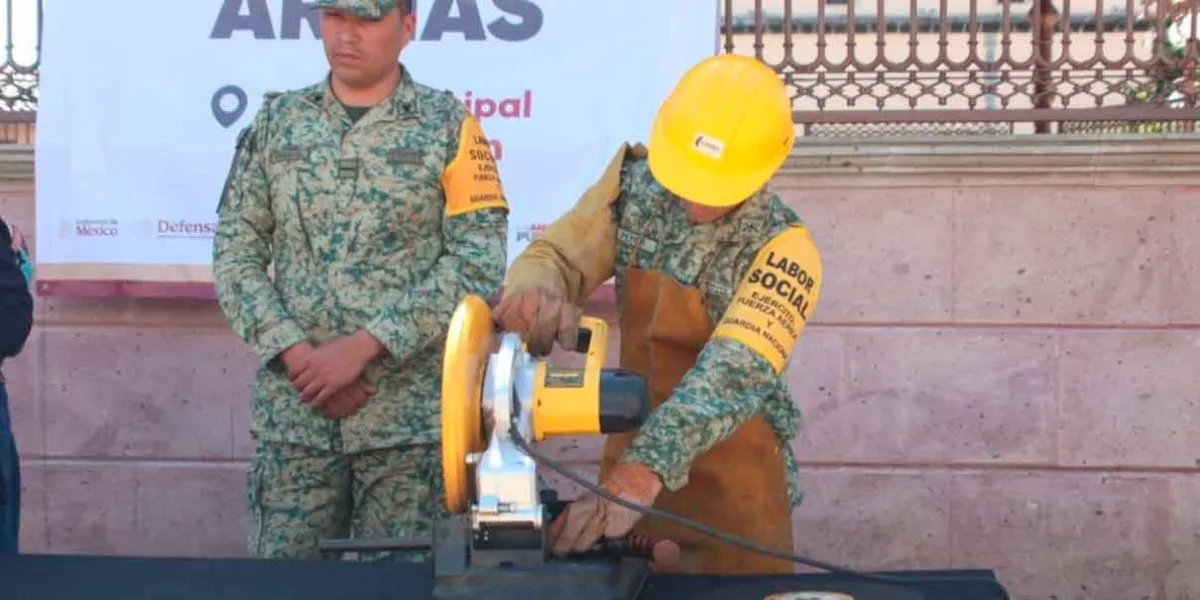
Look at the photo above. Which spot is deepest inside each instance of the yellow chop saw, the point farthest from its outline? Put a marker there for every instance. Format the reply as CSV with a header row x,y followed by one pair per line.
x,y
497,399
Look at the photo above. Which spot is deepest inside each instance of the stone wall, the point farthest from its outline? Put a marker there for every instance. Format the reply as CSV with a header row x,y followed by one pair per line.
x,y
1001,374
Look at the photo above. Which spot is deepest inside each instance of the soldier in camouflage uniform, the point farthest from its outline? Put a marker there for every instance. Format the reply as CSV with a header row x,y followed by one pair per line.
x,y
377,202
716,279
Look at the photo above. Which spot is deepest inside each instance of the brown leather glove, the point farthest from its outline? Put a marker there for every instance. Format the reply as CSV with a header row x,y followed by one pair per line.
x,y
587,519
541,315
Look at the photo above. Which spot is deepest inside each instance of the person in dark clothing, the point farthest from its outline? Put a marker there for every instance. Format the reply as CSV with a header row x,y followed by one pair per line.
x,y
16,321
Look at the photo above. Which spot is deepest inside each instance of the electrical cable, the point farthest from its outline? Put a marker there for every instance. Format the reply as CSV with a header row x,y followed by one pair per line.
x,y
732,539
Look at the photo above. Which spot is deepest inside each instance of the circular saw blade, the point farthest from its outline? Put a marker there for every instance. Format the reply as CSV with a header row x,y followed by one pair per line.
x,y
464,366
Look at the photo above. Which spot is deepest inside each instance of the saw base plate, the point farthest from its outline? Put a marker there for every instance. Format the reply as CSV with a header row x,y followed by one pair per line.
x,y
576,579
528,576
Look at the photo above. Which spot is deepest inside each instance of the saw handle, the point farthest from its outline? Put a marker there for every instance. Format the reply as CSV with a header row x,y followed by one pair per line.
x,y
658,551
640,545
592,340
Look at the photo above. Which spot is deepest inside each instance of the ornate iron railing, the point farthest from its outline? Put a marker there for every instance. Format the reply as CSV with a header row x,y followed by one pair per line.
x,y
22,56
895,67
879,67
22,27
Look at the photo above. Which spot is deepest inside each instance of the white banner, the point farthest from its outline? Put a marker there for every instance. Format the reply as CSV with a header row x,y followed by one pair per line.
x,y
140,107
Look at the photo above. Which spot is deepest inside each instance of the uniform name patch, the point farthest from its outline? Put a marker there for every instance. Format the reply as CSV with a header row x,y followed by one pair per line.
x,y
719,290
776,297
347,168
290,153
630,238
403,156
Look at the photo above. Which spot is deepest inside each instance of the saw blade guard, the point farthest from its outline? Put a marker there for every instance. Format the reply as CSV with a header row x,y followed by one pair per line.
x,y
464,368
591,400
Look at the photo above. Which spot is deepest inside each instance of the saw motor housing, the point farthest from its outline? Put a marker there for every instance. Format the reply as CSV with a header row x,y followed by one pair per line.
x,y
491,387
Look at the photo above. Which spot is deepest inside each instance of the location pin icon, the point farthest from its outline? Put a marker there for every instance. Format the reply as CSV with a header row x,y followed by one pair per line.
x,y
228,117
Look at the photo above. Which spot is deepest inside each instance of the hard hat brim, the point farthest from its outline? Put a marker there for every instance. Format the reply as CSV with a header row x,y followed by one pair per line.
x,y
681,172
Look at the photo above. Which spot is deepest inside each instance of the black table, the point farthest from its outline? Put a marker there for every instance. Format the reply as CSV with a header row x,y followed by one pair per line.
x,y
65,577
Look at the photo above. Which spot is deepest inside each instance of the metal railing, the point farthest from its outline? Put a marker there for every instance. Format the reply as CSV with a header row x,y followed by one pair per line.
x,y
22,27
898,67
954,67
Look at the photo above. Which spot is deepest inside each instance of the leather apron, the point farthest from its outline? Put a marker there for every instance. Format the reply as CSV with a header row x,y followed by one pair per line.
x,y
738,486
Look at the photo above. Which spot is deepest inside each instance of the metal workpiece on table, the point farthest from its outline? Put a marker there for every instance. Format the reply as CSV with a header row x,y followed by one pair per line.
x,y
514,567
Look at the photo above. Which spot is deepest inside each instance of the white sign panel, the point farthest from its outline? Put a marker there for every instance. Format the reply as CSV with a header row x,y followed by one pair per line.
x,y
140,107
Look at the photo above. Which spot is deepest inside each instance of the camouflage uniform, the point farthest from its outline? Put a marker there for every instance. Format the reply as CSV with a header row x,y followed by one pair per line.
x,y
729,300
730,381
381,222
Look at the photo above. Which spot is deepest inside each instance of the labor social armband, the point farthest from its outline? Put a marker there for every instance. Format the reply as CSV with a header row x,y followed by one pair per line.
x,y
775,298
471,181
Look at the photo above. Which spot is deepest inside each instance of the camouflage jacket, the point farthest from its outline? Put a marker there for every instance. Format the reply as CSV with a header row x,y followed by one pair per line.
x,y
382,225
759,273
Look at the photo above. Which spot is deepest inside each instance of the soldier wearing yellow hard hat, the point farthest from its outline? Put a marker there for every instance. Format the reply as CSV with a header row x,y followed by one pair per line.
x,y
716,279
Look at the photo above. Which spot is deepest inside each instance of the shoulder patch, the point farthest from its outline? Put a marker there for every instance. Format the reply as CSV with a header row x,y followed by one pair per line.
x,y
269,98
776,297
472,180
243,137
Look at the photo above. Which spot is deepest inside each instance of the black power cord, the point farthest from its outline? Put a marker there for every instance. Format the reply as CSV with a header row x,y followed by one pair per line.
x,y
733,539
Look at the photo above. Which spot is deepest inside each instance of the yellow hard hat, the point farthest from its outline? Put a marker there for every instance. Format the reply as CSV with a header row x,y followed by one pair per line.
x,y
722,132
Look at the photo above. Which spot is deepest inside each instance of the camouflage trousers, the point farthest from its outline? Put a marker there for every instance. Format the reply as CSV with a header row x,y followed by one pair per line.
x,y
299,496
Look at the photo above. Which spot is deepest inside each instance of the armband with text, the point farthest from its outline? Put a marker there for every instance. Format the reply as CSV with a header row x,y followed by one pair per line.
x,y
776,297
472,181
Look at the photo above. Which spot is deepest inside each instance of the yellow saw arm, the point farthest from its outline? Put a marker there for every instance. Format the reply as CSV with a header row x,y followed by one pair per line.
x,y
490,384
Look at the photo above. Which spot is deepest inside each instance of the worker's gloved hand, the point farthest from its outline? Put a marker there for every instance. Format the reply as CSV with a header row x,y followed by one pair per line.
x,y
541,315
589,518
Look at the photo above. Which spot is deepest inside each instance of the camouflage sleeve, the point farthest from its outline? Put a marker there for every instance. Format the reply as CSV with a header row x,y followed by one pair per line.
x,y
739,368
242,252
475,235
577,252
